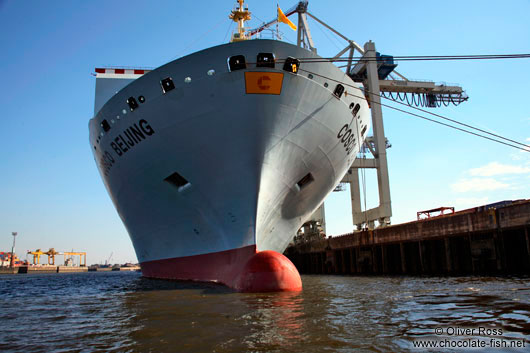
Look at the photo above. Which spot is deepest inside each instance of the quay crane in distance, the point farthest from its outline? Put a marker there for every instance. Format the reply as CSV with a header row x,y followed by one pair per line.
x,y
51,256
51,253
82,257
36,255
107,261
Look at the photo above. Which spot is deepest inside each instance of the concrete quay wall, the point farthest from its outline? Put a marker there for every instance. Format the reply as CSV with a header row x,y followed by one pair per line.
x,y
474,241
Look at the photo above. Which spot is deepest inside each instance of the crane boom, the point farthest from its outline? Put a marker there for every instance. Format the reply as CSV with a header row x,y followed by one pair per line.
x,y
107,262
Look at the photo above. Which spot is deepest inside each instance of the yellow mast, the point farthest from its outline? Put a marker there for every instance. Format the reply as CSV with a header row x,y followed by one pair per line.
x,y
240,15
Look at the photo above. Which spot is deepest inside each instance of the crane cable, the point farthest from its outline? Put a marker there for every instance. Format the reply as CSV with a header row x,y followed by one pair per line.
x,y
419,58
526,149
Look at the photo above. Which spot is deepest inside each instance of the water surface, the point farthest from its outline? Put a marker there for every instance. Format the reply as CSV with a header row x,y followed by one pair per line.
x,y
123,312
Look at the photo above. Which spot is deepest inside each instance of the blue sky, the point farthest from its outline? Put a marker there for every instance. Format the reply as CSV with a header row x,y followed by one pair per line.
x,y
52,195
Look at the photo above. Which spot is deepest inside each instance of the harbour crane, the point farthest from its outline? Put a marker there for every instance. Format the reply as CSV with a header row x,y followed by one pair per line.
x,y
36,256
51,253
107,261
82,257
379,79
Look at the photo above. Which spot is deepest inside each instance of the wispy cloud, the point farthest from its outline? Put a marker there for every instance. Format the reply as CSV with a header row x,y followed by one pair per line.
x,y
496,168
478,184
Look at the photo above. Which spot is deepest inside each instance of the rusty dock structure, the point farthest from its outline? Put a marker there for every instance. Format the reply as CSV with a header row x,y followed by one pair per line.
x,y
484,240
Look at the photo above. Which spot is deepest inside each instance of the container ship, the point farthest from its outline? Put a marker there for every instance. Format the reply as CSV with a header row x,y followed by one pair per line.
x,y
215,160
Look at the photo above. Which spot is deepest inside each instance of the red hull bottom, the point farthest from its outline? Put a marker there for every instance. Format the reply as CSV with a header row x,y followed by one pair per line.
x,y
243,269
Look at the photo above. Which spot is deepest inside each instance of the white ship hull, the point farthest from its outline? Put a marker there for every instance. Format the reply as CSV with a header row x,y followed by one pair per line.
x,y
242,156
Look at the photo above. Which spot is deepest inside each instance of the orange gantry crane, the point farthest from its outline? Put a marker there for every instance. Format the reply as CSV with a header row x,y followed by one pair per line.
x,y
82,256
51,253
51,256
36,255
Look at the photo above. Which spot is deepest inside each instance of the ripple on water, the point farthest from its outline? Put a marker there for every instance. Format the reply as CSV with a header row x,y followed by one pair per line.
x,y
121,312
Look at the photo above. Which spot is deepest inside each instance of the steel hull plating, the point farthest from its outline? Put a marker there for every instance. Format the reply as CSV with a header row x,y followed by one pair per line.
x,y
243,155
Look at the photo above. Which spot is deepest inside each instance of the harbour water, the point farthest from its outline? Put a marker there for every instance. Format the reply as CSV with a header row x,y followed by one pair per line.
x,y
123,312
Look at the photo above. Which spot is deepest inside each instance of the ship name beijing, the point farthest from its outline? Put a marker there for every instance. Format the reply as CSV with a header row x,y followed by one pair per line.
x,y
131,136
122,143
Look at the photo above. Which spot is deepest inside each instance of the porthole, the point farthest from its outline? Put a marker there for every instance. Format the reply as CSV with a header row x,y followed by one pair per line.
x,y
141,99
211,72
326,84
291,65
237,62
265,60
187,80
105,125
339,90
167,84
356,109
133,104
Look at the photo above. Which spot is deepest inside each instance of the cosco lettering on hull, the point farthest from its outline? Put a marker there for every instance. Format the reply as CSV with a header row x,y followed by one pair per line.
x,y
346,137
345,134
106,161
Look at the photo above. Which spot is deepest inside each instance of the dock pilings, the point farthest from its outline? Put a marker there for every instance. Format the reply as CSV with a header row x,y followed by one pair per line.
x,y
476,241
